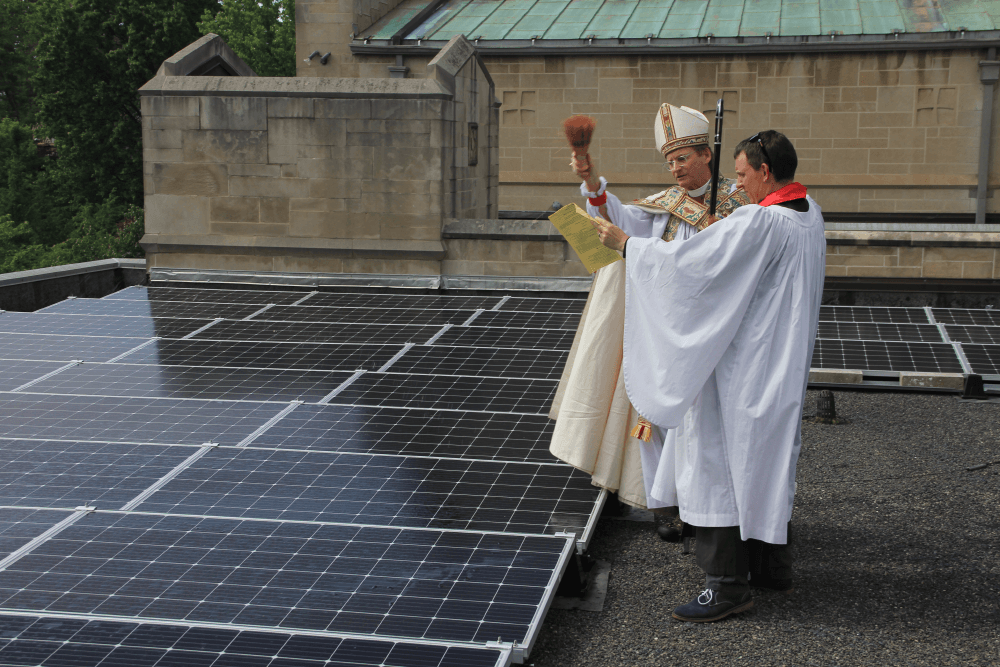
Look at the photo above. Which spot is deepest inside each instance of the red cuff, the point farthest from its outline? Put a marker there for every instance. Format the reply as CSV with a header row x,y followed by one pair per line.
x,y
599,201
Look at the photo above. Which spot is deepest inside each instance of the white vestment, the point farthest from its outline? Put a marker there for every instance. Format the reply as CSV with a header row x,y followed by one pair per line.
x,y
719,333
594,416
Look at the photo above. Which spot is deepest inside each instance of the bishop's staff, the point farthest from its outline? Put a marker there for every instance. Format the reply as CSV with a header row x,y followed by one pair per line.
x,y
714,196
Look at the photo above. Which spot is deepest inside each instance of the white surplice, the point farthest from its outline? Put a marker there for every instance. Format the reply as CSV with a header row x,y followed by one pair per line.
x,y
592,412
719,333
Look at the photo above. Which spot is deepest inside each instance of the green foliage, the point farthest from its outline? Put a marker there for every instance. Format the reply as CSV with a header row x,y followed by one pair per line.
x,y
19,247
18,35
261,32
91,61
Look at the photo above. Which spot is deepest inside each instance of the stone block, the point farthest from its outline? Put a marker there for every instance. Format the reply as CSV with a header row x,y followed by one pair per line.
x,y
958,254
306,132
407,227
834,125
323,224
805,100
932,380
269,170
910,256
345,169
249,229
845,161
282,154
338,188
977,270
942,269
170,214
234,113
150,155
289,107
227,146
172,122
235,209
160,139
180,178
301,264
612,91
259,186
413,204
155,105
834,376
274,209
407,164
836,71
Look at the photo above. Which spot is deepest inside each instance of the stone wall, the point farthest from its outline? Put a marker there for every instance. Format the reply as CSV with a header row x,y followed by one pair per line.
x,y
317,175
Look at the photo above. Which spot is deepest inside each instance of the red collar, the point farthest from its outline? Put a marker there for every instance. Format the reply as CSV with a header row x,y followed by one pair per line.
x,y
787,193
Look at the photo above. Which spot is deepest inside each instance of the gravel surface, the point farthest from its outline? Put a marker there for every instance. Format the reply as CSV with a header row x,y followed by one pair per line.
x,y
897,556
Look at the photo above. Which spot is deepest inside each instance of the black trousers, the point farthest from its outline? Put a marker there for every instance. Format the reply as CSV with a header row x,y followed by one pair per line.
x,y
730,561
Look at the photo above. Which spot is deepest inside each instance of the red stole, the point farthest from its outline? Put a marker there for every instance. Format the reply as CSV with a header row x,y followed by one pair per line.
x,y
788,193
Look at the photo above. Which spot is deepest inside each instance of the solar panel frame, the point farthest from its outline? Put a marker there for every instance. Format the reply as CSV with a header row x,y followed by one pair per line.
x,y
192,382
527,320
262,354
130,420
486,361
391,300
538,339
458,392
67,474
883,331
890,315
545,304
894,356
984,359
967,316
258,573
340,314
98,325
399,491
155,309
15,373
54,347
20,525
414,432
207,295
148,643
291,332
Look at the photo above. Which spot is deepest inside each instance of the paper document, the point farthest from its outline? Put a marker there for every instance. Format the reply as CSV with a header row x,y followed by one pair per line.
x,y
578,228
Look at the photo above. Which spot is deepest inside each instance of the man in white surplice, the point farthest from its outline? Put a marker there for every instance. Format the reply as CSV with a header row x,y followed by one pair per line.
x,y
594,416
719,332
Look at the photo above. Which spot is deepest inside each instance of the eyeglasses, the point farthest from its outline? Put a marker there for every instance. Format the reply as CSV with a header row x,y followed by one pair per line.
x,y
756,137
678,161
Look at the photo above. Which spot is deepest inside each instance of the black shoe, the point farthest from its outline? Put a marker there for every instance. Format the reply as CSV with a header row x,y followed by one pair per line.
x,y
713,606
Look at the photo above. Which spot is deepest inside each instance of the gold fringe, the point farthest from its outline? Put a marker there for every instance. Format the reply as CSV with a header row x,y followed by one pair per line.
x,y
643,430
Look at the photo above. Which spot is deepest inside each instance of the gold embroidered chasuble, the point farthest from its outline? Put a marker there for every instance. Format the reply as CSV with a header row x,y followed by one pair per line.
x,y
593,414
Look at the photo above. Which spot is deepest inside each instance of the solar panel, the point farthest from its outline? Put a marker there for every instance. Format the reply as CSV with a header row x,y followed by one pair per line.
x,y
261,354
18,526
54,640
873,314
135,308
315,314
65,348
886,356
879,331
318,332
378,430
983,317
244,384
544,305
961,333
497,362
15,373
984,359
526,320
545,339
47,473
96,325
96,418
449,392
259,297
400,491
401,583
370,300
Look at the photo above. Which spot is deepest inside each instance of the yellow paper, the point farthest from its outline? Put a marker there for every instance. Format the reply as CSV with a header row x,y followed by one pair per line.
x,y
578,229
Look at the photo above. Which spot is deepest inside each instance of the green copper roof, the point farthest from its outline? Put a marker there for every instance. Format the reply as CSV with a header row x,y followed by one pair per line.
x,y
684,19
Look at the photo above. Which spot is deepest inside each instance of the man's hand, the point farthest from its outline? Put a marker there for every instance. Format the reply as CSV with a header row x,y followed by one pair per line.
x,y
584,167
611,236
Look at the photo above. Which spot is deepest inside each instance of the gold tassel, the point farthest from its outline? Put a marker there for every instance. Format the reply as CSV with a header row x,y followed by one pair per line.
x,y
643,430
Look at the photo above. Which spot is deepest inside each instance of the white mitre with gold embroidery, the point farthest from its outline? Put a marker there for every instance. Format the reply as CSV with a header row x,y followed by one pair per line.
x,y
679,127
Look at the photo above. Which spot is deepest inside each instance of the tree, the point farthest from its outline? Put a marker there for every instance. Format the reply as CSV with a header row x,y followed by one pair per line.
x,y
92,59
17,40
261,32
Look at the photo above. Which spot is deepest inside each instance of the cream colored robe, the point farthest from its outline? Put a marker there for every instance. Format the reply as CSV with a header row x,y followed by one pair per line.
x,y
593,415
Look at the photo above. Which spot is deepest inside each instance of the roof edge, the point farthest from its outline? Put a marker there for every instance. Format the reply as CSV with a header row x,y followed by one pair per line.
x,y
698,45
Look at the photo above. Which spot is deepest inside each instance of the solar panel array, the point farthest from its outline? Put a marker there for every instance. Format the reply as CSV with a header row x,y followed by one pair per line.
x,y
283,478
